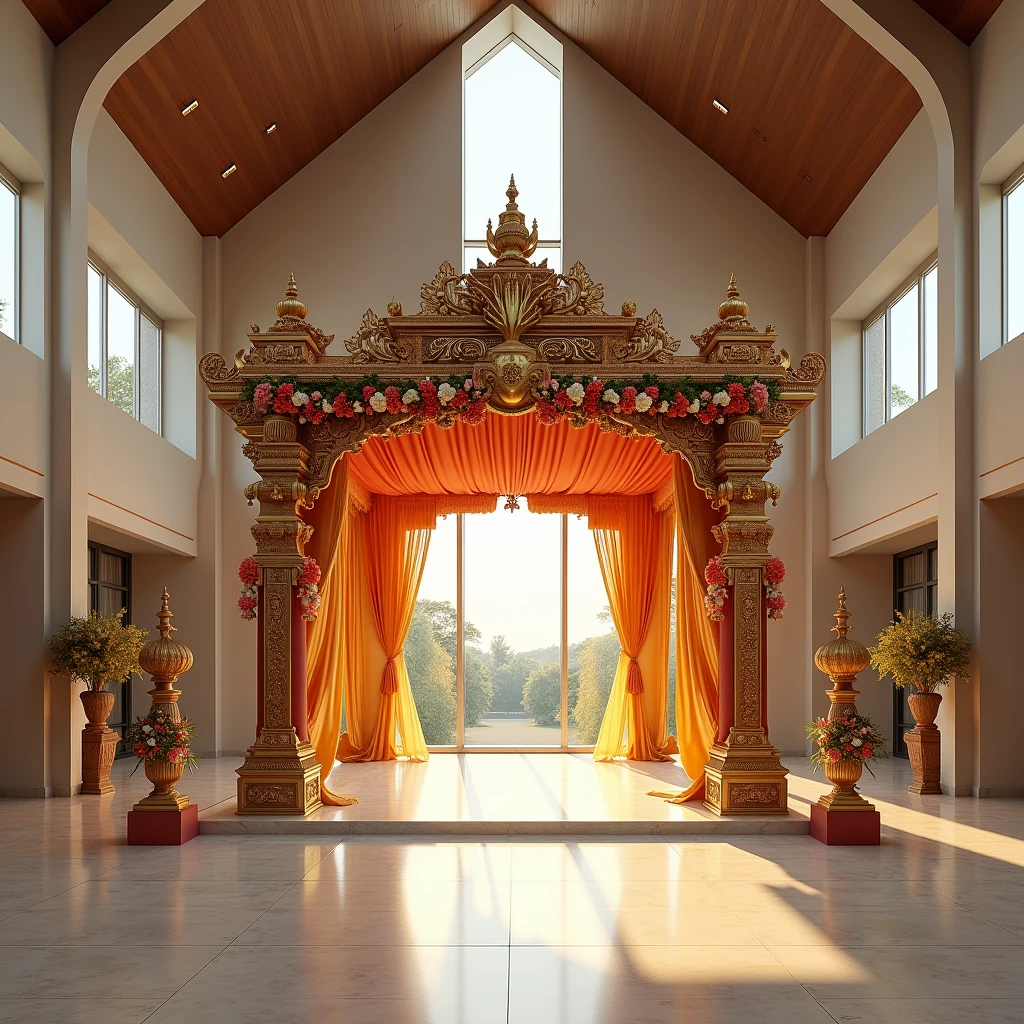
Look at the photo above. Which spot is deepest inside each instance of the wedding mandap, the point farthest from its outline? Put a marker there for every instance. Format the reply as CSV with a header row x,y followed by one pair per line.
x,y
511,381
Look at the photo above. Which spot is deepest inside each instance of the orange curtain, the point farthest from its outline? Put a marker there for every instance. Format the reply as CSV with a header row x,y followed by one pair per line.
x,y
329,641
696,635
511,455
634,549
382,720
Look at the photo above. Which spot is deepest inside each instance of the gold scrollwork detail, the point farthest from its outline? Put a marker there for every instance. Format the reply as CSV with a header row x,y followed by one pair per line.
x,y
214,370
373,343
269,794
747,647
755,794
575,294
454,350
713,792
649,343
446,295
569,350
811,371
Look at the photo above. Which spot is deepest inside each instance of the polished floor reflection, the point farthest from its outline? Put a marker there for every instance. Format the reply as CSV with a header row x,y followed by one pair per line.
x,y
929,927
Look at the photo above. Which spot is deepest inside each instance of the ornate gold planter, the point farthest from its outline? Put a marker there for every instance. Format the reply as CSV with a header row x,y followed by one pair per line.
x,y
924,743
99,743
165,778
844,775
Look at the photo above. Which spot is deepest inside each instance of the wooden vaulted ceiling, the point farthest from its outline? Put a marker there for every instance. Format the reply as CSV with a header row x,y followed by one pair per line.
x,y
813,109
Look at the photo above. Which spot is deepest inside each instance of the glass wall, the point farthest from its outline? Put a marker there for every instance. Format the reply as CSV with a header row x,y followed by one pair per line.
x,y
9,232
901,349
535,115
124,348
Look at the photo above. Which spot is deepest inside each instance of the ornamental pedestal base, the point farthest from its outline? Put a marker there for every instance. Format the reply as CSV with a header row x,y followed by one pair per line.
x,y
164,827
99,745
745,781
846,827
279,779
924,745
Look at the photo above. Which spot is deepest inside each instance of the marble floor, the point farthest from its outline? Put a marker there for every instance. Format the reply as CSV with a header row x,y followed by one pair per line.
x,y
504,794
926,929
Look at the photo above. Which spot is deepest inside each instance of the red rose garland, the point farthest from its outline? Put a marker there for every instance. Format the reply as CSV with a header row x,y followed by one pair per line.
x,y
249,574
309,593
718,589
774,574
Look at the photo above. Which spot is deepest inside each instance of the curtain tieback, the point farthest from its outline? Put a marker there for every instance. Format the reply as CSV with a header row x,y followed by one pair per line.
x,y
634,681
389,680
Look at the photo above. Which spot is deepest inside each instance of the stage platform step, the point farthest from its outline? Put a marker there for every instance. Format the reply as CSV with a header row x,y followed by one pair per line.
x,y
502,795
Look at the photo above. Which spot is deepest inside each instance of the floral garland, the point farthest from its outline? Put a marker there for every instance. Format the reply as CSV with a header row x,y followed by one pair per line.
x,y
249,574
718,588
774,574
307,582
708,402
369,397
850,738
309,594
458,397
158,737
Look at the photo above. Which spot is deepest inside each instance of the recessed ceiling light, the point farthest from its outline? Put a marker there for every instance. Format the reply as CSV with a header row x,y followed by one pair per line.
x,y
228,171
272,127
185,111
718,105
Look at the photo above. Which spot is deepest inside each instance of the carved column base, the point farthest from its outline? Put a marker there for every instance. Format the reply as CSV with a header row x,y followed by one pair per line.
x,y
279,779
924,745
745,780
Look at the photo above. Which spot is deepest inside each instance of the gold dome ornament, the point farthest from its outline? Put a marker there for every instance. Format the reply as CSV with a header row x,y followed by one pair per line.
x,y
291,305
512,243
734,309
394,308
629,308
842,659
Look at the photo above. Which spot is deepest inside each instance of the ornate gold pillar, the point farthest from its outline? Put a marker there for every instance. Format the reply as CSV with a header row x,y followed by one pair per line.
x,y
744,774
280,774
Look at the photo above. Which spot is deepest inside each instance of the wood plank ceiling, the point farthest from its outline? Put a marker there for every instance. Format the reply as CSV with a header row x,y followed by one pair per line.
x,y
813,109
60,18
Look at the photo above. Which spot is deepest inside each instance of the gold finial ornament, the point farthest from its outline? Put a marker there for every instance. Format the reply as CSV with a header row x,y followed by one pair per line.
x,y
512,242
164,658
394,308
841,660
734,309
629,308
291,305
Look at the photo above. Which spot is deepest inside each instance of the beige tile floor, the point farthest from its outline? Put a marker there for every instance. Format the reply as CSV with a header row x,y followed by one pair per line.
x,y
926,929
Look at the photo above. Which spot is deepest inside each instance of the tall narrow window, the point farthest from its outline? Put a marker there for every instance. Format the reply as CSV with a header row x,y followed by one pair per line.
x,y
901,348
124,347
502,138
9,251
1013,257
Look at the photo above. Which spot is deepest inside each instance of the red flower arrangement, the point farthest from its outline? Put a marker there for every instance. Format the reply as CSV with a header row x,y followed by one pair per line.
x,y
249,574
158,737
850,738
774,574
718,588
307,581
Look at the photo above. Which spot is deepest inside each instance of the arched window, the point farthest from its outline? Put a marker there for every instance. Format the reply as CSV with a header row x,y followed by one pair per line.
x,y
512,124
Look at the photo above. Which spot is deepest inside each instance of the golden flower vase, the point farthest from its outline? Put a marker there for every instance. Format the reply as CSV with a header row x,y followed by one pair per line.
x,y
165,777
924,743
99,742
844,775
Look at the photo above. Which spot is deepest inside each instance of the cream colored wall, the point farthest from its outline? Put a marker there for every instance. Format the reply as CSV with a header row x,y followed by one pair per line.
x,y
26,67
357,231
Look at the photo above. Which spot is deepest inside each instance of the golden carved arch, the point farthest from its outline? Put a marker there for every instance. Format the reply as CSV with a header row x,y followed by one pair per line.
x,y
512,325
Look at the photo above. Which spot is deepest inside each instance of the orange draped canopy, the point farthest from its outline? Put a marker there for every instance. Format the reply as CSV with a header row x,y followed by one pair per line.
x,y
503,455
511,455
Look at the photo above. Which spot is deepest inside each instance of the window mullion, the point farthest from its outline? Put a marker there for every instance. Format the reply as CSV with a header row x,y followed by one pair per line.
x,y
888,364
920,338
137,374
564,645
103,335
460,634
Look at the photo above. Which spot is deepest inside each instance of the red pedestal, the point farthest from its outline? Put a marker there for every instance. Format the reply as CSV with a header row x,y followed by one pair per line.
x,y
846,828
163,828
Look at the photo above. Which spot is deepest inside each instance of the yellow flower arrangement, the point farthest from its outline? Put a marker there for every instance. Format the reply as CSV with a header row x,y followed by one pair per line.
x,y
921,651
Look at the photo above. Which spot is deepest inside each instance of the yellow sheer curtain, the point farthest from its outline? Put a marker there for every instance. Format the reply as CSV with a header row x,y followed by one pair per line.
x,y
328,640
634,550
696,635
393,538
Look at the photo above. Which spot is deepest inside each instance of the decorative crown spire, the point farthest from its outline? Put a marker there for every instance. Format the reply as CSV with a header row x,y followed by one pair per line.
x,y
165,658
734,309
512,242
842,658
291,305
